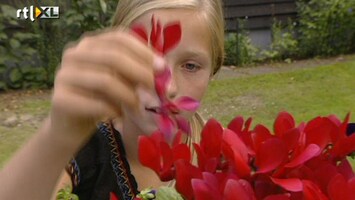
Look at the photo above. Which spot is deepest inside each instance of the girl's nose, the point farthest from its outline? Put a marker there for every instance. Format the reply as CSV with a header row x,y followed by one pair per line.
x,y
172,89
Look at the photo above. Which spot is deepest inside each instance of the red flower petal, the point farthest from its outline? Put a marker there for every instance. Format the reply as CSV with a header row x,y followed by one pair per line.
x,y
312,192
339,189
345,169
162,79
260,135
185,172
202,191
234,190
156,35
211,138
278,197
166,125
201,156
166,173
236,124
172,36
311,151
148,153
211,180
236,144
291,138
183,124
247,124
290,184
141,32
113,196
344,147
324,173
320,135
187,103
270,155
343,127
181,151
283,123
232,143
207,188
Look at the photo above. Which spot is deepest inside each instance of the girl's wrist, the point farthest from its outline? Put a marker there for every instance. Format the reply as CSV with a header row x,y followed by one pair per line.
x,y
64,137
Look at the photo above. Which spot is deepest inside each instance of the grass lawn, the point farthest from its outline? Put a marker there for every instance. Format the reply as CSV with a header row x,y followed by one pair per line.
x,y
28,109
305,93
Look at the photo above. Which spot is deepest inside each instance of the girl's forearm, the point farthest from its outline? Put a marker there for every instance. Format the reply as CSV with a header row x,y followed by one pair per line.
x,y
33,171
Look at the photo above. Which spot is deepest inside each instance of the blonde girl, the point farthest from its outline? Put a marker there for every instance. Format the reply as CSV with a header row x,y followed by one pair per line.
x,y
110,75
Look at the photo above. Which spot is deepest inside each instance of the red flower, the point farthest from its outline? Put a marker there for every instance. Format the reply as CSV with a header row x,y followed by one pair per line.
x,y
113,196
154,152
164,39
297,162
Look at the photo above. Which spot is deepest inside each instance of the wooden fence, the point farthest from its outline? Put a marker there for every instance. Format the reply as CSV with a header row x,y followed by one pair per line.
x,y
260,14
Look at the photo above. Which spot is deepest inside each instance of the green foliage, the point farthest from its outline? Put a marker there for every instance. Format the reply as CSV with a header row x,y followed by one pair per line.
x,y
239,49
326,27
17,48
168,193
65,194
34,49
323,28
284,44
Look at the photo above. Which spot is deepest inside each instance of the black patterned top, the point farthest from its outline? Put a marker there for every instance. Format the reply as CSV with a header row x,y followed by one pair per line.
x,y
101,167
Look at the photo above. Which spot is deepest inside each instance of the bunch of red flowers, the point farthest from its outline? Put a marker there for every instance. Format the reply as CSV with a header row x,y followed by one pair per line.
x,y
307,161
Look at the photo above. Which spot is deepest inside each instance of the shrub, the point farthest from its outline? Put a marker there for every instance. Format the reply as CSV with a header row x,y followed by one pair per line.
x,y
284,44
30,57
239,49
326,27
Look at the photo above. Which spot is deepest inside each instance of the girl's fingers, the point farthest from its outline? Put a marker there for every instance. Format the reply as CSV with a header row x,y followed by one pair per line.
x,y
107,87
126,42
113,62
128,45
79,105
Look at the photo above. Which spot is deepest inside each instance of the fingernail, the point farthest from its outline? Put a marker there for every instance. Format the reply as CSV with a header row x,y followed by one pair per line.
x,y
159,63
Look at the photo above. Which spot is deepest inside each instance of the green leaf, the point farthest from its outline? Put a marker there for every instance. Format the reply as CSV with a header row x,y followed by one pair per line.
x,y
14,43
3,36
103,6
13,22
25,36
168,193
8,11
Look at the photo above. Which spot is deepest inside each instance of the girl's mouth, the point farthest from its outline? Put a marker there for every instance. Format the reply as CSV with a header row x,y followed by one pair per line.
x,y
155,110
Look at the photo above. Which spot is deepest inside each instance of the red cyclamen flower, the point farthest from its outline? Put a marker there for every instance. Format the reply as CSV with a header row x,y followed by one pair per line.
x,y
164,39
154,152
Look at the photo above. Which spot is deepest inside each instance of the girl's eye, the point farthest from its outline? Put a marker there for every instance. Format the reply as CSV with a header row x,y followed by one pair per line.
x,y
191,67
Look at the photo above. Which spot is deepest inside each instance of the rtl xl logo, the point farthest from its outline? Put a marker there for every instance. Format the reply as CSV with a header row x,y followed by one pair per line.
x,y
34,12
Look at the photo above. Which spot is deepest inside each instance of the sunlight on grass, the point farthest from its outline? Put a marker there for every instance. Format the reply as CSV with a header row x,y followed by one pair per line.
x,y
38,106
11,139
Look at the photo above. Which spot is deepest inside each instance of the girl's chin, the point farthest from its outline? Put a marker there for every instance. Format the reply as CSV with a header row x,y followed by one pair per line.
x,y
147,128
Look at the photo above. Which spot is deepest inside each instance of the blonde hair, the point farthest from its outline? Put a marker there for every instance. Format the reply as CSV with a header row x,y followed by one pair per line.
x,y
129,10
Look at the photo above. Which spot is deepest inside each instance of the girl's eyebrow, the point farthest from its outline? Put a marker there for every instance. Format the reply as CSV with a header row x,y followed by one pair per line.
x,y
196,54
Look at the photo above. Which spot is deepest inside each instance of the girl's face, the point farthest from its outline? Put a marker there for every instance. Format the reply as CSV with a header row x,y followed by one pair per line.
x,y
190,63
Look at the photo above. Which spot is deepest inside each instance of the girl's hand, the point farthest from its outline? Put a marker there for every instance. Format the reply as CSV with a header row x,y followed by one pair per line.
x,y
97,77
